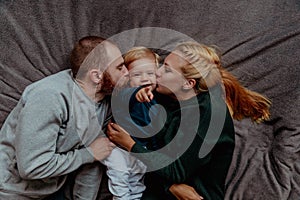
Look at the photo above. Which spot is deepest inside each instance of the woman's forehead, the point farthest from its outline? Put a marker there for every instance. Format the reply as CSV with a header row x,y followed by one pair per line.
x,y
176,60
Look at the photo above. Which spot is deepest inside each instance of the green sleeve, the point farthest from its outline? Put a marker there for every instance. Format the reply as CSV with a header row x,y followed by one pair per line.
x,y
179,170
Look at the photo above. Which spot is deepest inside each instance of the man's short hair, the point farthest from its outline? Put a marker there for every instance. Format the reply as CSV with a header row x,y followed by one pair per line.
x,y
81,50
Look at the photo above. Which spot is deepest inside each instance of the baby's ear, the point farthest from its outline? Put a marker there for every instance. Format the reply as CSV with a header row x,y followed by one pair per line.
x,y
189,84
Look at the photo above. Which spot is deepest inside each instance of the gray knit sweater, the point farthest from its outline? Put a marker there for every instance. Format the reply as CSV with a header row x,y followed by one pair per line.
x,y
44,137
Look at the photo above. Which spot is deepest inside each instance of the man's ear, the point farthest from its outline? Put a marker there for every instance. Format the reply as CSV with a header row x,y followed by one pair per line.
x,y
189,84
95,75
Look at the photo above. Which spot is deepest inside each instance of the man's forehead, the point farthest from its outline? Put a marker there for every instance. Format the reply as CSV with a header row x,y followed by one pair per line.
x,y
114,63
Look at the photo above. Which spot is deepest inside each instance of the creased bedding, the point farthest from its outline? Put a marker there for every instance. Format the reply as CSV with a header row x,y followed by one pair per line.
x,y
259,41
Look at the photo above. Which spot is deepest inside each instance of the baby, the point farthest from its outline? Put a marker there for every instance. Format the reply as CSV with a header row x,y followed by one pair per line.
x,y
125,172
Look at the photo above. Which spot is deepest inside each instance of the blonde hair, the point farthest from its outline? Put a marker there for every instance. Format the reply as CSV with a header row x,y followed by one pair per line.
x,y
137,53
205,67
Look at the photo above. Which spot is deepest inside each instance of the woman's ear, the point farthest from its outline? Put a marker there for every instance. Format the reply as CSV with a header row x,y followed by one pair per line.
x,y
189,84
95,76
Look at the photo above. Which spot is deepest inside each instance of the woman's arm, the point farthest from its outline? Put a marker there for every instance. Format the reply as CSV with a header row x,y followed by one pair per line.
x,y
184,192
176,172
181,191
119,136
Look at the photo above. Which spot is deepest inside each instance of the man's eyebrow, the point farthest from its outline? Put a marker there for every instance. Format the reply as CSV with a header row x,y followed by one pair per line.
x,y
121,64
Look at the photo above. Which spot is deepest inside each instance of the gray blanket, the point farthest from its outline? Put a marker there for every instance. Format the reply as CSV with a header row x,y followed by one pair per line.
x,y
259,41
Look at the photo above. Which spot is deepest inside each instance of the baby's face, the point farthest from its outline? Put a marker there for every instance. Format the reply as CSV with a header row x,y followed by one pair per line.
x,y
142,72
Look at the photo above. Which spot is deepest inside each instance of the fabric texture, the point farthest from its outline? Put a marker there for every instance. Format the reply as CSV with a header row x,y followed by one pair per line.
x,y
259,42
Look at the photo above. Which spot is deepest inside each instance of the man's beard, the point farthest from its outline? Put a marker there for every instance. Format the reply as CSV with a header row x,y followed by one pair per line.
x,y
107,85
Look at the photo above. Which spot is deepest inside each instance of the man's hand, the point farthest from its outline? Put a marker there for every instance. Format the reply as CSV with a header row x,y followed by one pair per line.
x,y
101,147
184,192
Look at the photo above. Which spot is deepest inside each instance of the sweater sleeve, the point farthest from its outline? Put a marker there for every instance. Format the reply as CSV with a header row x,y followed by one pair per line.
x,y
186,166
37,133
181,168
87,181
178,135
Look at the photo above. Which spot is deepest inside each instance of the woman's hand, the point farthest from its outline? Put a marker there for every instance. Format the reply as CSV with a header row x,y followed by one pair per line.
x,y
119,136
184,192
144,94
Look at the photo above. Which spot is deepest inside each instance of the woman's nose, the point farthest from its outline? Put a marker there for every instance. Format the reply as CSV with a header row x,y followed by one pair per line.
x,y
158,72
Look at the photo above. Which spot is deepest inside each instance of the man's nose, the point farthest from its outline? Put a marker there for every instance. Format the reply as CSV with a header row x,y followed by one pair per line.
x,y
125,71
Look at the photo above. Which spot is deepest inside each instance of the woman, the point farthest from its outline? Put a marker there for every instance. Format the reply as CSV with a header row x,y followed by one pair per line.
x,y
191,73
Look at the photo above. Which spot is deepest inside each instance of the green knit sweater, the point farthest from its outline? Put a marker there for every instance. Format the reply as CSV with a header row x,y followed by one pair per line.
x,y
184,132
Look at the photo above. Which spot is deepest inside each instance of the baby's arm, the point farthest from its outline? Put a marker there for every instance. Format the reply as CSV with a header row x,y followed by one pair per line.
x,y
144,94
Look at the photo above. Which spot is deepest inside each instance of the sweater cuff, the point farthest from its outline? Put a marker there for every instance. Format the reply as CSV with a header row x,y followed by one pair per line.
x,y
87,155
167,187
137,148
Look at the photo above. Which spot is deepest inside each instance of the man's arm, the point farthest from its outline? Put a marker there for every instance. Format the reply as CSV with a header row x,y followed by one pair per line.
x,y
37,133
88,178
176,169
87,181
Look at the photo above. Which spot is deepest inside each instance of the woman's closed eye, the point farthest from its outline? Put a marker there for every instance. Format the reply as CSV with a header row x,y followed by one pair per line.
x,y
167,69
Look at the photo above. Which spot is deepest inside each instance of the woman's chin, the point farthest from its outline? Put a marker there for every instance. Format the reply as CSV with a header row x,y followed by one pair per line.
x,y
161,89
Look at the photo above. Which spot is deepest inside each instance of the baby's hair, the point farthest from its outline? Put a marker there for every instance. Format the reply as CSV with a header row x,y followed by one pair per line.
x,y
137,53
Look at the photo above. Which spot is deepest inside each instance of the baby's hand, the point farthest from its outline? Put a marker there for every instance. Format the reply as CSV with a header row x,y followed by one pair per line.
x,y
145,94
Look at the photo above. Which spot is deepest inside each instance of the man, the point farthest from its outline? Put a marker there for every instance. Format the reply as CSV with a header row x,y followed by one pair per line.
x,y
55,127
